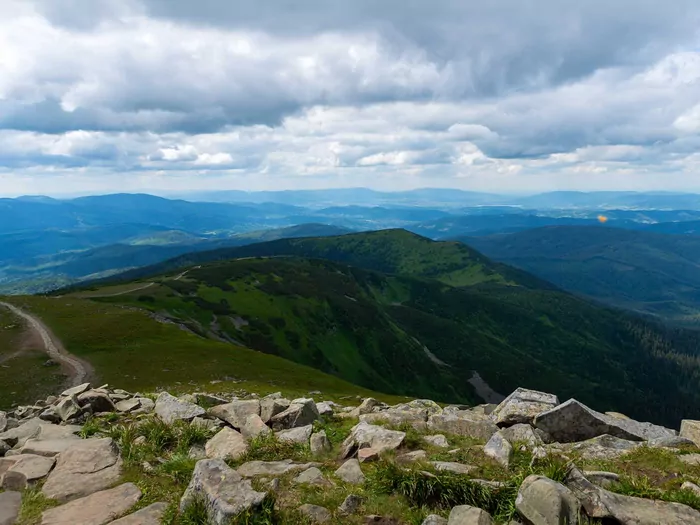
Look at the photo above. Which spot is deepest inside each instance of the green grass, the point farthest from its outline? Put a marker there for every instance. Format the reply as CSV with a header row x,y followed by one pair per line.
x,y
34,503
268,448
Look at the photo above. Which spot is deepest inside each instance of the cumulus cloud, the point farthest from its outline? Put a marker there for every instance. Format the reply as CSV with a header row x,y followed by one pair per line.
x,y
389,94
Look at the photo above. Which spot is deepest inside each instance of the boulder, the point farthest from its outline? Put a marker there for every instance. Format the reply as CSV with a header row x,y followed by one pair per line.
x,y
434,519
351,504
296,435
499,448
437,440
171,409
608,506
127,405
301,412
19,435
226,444
10,503
85,467
463,423
315,514
97,401
151,515
97,509
690,429
364,435
68,408
312,476
522,433
467,515
350,472
522,406
31,466
542,501
324,408
366,407
253,469
271,406
254,426
236,412
224,491
319,443
451,466
572,421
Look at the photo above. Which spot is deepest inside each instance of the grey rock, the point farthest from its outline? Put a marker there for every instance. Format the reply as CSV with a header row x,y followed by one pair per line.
x,y
48,447
4,448
254,426
522,433
31,466
76,390
351,504
236,412
366,407
301,412
416,418
603,447
226,444
171,409
10,503
600,478
522,406
541,501
315,514
434,519
197,452
319,443
253,469
412,457
14,481
451,466
271,406
467,515
47,432
147,405
224,491
499,449
67,408
671,442
312,476
572,421
350,472
85,467
463,424
97,401
3,421
692,487
419,404
127,405
690,429
364,435
690,459
202,398
602,504
437,440
296,435
99,508
324,408
212,425
151,515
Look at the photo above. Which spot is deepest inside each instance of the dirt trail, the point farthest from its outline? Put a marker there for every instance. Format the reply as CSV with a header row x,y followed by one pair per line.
x,y
132,290
78,370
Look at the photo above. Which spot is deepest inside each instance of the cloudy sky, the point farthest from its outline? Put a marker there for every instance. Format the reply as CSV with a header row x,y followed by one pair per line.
x,y
498,95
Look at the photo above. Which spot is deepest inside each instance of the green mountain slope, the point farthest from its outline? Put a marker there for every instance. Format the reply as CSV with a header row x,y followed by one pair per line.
x,y
389,332
648,272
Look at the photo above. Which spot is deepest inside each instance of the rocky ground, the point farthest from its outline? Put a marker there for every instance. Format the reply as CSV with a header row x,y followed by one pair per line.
x,y
95,456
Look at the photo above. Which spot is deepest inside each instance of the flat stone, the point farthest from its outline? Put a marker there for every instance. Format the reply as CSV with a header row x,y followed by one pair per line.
x,y
312,476
364,435
315,514
350,472
601,478
47,432
14,481
599,448
226,494
76,390
10,503
127,405
236,412
499,449
367,455
32,467
412,457
19,435
690,459
171,409
48,448
254,426
671,442
467,515
522,406
97,509
151,515
147,406
451,466
463,423
252,469
296,435
226,444
572,422
690,429
437,440
87,466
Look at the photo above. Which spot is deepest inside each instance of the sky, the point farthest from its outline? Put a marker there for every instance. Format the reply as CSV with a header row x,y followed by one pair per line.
x,y
506,95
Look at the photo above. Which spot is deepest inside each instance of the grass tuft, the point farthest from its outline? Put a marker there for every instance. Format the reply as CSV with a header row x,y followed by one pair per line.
x,y
269,448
